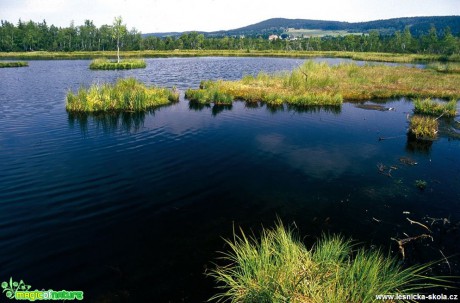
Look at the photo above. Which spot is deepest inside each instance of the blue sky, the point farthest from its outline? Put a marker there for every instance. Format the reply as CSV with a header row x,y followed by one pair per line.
x,y
210,15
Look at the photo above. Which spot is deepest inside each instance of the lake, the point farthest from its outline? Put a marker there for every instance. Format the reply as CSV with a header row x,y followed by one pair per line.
x,y
134,207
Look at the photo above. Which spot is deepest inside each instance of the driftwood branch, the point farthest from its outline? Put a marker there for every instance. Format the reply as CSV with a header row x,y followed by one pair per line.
x,y
434,220
420,224
402,242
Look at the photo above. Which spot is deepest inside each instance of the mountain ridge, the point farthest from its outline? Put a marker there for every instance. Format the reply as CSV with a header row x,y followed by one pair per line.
x,y
417,25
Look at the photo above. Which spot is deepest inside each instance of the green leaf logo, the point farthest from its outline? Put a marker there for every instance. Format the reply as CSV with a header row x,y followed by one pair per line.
x,y
10,288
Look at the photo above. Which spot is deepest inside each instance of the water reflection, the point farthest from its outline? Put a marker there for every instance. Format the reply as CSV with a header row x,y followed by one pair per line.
x,y
275,108
217,109
418,146
336,110
252,105
109,122
197,106
450,128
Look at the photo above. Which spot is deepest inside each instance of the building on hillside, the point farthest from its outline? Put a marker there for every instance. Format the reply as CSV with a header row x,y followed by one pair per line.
x,y
273,37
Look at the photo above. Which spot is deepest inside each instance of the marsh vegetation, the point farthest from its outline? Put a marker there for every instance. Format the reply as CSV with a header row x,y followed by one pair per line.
x,y
278,267
449,67
430,107
423,127
364,56
319,84
106,64
125,95
14,64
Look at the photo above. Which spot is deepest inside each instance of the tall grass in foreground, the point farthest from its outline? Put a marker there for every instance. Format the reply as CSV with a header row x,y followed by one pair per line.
x,y
430,107
423,127
125,95
14,64
106,64
279,268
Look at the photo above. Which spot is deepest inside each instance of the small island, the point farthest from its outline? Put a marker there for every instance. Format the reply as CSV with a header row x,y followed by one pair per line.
x,y
424,124
106,64
126,95
14,64
118,31
423,127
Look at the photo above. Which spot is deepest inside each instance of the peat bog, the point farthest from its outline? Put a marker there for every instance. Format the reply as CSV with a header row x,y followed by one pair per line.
x,y
133,205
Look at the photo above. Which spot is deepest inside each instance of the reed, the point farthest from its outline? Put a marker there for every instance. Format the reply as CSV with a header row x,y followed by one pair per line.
x,y
279,268
127,95
14,64
105,64
430,107
423,127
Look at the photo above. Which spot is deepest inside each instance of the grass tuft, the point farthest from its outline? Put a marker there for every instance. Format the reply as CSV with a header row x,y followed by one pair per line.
x,y
423,127
279,268
105,64
207,94
125,95
430,107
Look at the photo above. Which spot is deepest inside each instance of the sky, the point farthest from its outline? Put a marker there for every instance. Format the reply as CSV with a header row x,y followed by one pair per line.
x,y
211,15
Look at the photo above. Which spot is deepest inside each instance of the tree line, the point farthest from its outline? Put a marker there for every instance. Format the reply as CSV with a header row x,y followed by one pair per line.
x,y
35,36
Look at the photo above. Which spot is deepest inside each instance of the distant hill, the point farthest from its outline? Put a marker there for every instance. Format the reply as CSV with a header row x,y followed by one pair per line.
x,y
418,25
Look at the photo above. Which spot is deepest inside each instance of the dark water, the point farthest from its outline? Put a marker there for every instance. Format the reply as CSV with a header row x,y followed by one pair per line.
x,y
133,207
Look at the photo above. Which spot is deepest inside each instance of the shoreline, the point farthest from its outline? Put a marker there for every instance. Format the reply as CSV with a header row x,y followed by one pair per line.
x,y
361,56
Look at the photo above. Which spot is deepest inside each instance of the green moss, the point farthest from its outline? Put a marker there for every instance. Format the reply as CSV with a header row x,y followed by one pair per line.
x,y
125,95
105,64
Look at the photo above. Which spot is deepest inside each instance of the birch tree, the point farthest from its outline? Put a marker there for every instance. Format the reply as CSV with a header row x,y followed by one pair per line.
x,y
118,32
